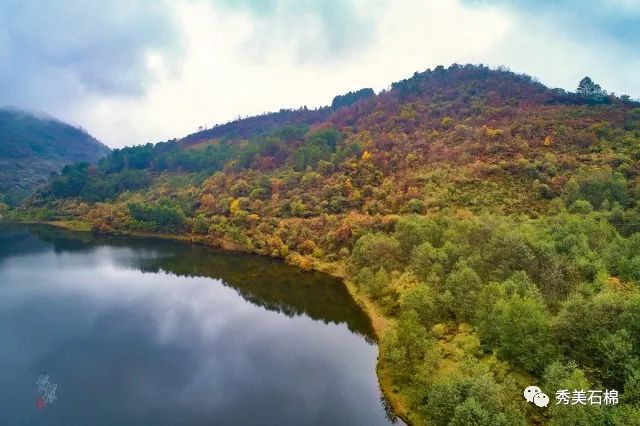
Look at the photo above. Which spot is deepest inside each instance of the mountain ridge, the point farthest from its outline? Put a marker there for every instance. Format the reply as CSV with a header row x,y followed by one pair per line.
x,y
521,87
32,146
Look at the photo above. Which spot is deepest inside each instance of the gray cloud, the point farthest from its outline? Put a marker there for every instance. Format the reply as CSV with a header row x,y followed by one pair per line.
x,y
85,61
342,27
55,51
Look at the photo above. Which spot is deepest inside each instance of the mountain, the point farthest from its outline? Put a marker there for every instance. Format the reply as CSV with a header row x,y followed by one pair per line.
x,y
32,147
488,224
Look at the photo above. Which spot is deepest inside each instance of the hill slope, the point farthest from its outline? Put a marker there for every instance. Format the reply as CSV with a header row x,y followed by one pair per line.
x,y
492,222
33,147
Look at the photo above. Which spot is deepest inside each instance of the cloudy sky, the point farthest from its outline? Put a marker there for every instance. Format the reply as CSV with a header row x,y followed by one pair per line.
x,y
137,71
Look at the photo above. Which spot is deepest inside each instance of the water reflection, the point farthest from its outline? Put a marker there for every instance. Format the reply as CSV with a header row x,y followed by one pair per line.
x,y
265,282
137,332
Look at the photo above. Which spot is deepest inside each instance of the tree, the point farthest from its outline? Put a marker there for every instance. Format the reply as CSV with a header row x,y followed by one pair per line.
x,y
624,415
475,400
464,284
412,336
375,251
506,252
405,347
597,186
591,92
518,284
558,376
470,412
379,283
632,387
423,301
413,230
426,263
632,120
520,327
601,332
158,217
200,224
616,358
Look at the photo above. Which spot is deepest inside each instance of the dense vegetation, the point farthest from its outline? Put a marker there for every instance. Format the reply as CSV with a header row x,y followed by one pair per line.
x,y
493,222
351,98
31,148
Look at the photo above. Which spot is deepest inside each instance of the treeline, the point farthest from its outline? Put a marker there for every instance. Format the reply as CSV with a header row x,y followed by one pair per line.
x,y
260,124
131,168
85,181
350,98
499,85
164,216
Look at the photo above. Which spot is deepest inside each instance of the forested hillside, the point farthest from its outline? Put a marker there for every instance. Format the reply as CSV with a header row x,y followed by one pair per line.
x,y
33,147
490,222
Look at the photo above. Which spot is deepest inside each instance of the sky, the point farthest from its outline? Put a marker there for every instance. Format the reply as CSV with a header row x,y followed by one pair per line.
x,y
138,71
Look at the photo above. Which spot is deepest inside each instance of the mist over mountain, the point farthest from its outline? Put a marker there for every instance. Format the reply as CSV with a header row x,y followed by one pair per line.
x,y
32,146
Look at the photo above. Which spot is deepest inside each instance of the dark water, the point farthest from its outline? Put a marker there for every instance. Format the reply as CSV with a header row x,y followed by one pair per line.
x,y
151,332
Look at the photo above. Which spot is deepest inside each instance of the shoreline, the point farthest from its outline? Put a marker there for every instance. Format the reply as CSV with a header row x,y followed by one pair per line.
x,y
379,323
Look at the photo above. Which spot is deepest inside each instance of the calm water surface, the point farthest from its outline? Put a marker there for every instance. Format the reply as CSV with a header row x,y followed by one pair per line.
x,y
151,332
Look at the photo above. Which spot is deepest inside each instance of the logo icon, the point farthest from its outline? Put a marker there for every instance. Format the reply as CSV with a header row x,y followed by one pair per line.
x,y
534,394
541,400
46,391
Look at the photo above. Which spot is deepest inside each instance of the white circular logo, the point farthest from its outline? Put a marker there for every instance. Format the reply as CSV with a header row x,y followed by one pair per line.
x,y
530,392
534,394
541,400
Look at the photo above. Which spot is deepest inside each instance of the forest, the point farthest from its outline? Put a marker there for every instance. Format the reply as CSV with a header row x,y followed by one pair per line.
x,y
491,223
32,146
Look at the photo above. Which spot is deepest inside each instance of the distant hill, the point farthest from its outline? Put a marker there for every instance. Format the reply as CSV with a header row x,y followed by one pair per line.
x,y
260,124
493,126
32,147
263,124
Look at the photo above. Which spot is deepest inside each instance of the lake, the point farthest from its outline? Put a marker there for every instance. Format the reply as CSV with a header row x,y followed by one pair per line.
x,y
127,331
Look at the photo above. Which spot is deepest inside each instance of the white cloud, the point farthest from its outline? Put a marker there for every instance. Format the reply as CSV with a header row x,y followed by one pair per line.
x,y
217,59
222,75
560,58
